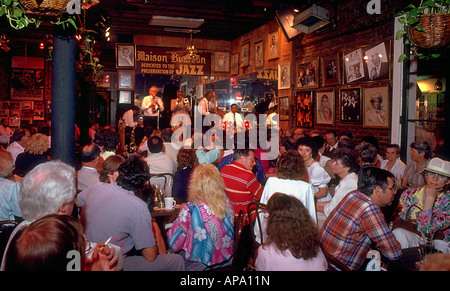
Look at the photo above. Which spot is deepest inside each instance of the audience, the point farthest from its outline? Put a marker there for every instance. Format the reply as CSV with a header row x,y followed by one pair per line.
x,y
203,232
357,222
332,142
113,210
88,175
367,154
293,242
34,154
289,178
420,156
425,209
110,167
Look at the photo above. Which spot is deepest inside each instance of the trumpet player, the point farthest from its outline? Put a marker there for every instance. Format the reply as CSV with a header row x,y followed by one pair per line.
x,y
151,107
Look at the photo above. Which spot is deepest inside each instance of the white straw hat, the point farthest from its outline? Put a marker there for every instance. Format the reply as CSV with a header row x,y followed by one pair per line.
x,y
439,166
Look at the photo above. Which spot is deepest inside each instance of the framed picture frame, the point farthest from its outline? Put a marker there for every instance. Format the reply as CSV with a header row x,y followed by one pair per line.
x,y
273,45
370,63
234,64
376,104
331,70
283,108
125,80
325,109
284,76
350,105
125,97
245,55
304,116
307,74
125,55
222,62
259,54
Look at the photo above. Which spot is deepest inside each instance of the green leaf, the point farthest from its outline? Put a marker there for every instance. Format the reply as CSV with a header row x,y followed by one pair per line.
x,y
419,28
400,34
402,58
7,2
71,21
434,56
429,3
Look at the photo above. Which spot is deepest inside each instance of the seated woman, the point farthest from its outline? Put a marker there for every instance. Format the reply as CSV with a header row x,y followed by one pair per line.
x,y
420,156
289,171
425,209
187,160
317,176
203,232
345,166
109,170
293,238
9,189
34,153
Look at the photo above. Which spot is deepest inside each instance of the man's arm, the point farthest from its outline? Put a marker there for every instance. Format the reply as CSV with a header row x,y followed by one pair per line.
x,y
150,253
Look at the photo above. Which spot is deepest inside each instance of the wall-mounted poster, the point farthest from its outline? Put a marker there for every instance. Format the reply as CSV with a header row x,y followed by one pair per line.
x,y
245,55
331,71
273,49
234,64
308,74
377,60
259,54
325,107
304,108
27,78
376,107
125,55
354,66
222,62
283,107
284,76
350,105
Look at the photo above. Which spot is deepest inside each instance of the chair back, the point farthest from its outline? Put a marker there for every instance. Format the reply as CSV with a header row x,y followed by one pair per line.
x,y
6,228
239,225
255,209
334,264
164,180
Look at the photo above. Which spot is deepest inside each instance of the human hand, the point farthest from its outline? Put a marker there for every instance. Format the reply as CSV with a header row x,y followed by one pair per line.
x,y
429,197
103,258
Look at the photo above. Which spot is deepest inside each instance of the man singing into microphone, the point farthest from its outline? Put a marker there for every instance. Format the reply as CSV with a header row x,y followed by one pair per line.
x,y
151,107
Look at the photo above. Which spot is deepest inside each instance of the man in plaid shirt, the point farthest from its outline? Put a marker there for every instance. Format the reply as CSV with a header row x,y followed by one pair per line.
x,y
357,222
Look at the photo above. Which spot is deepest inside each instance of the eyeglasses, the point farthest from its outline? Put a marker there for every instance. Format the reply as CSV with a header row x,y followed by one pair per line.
x,y
433,175
393,188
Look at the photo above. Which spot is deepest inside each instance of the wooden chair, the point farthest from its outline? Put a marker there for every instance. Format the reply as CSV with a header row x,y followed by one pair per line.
x,y
256,208
6,228
334,264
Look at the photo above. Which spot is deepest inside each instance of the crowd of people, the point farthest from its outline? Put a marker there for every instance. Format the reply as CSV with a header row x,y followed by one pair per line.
x,y
325,195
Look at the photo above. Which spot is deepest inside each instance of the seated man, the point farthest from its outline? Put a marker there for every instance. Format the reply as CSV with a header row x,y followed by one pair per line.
x,y
113,210
357,222
88,175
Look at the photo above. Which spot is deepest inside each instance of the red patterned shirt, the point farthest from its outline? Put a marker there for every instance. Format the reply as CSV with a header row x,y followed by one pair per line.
x,y
352,227
241,186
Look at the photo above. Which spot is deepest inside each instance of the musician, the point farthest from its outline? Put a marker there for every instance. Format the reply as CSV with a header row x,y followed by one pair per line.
x,y
131,118
205,106
234,119
181,109
151,107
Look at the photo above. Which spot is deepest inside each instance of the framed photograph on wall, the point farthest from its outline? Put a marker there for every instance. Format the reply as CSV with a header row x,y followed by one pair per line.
x,y
304,108
234,64
308,74
331,71
284,76
125,80
377,59
125,97
273,47
350,105
259,54
376,104
283,108
222,62
125,55
325,107
354,66
245,55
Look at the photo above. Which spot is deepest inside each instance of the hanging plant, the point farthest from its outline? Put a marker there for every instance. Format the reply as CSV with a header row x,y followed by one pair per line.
x,y
88,64
427,26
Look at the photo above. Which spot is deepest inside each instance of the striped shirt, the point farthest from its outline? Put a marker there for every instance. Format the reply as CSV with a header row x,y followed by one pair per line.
x,y
352,227
241,186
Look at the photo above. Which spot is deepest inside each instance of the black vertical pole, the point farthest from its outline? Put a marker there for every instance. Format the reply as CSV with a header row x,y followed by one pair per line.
x,y
63,99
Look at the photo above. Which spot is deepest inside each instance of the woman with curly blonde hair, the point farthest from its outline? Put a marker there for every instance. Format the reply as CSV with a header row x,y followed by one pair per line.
x,y
34,154
293,242
203,232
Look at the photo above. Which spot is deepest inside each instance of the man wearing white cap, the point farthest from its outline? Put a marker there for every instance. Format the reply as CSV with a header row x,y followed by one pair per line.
x,y
425,211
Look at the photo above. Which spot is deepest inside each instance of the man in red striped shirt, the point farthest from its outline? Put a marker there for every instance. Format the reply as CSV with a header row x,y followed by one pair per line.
x,y
241,184
242,188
